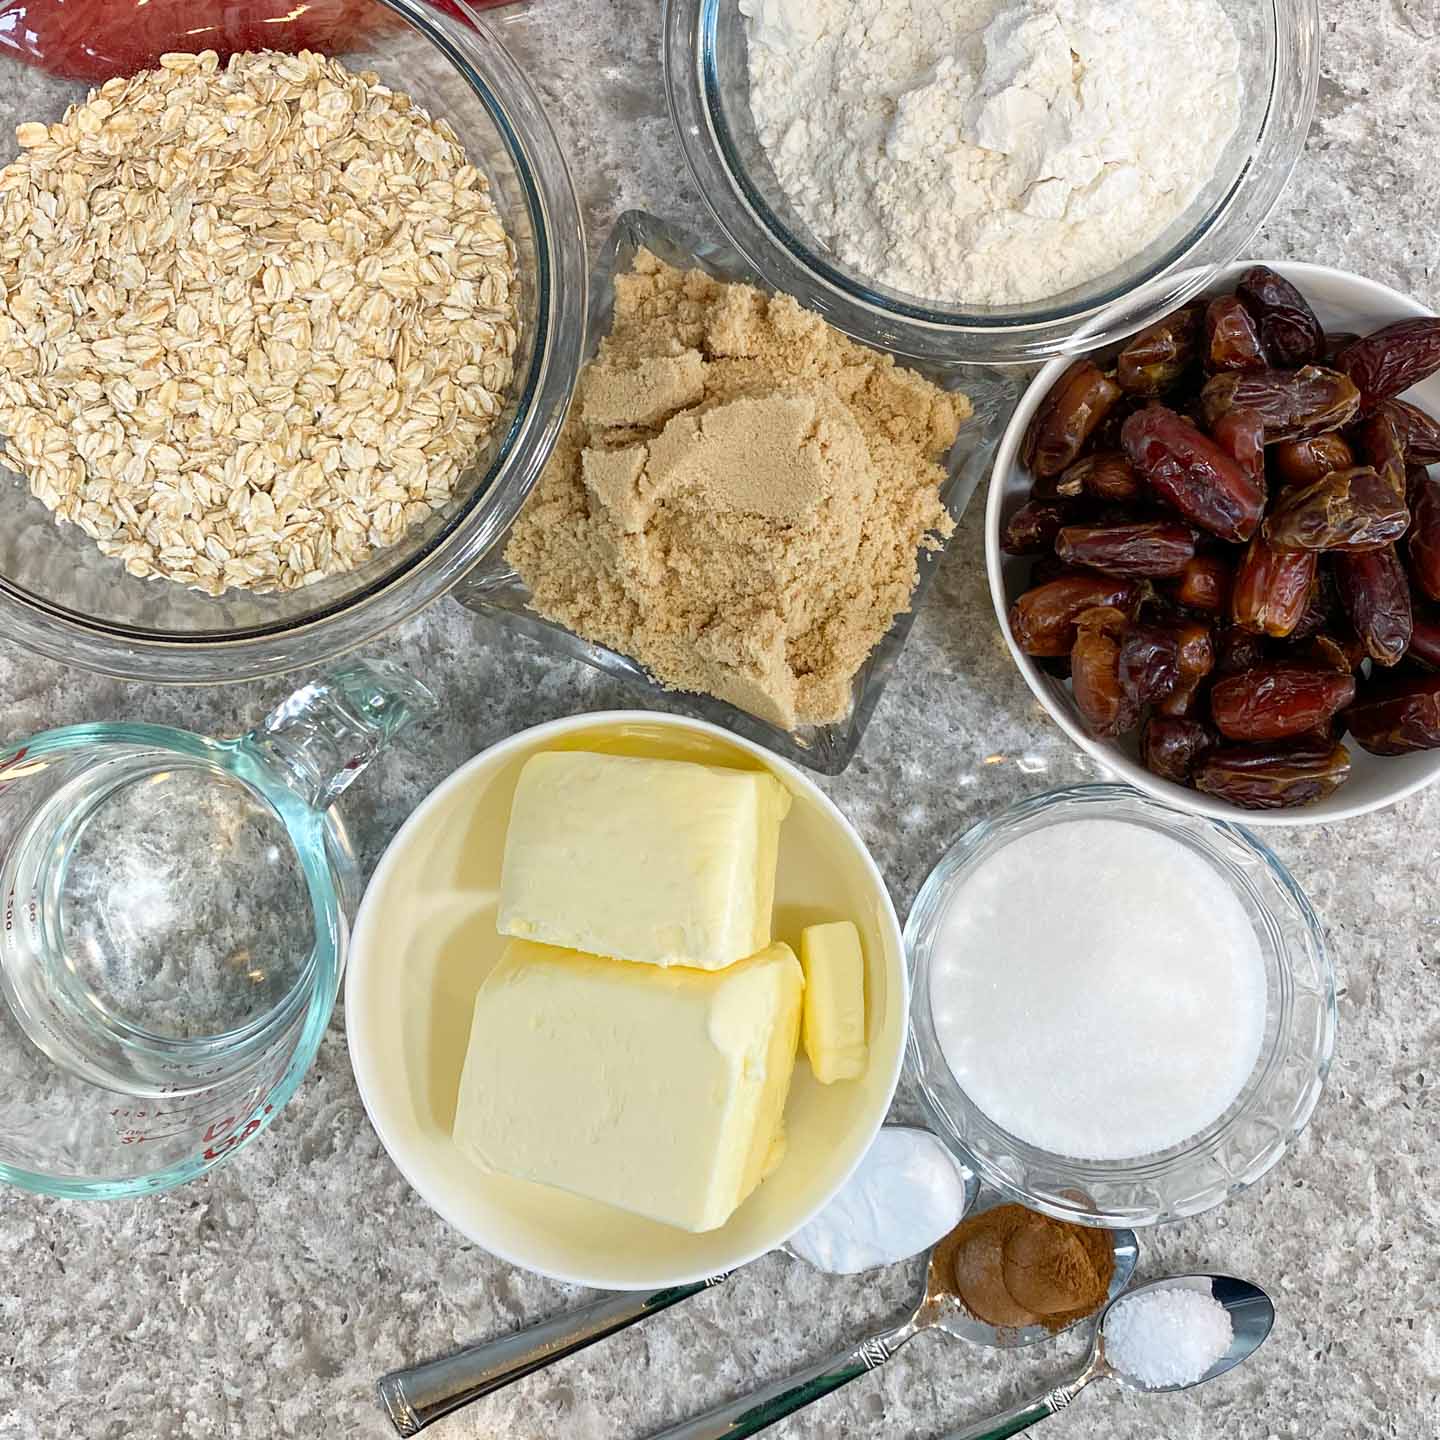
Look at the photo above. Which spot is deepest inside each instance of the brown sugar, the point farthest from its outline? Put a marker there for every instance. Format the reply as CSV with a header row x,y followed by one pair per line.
x,y
1012,1268
739,495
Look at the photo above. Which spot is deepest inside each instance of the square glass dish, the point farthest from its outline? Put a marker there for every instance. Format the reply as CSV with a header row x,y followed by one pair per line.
x,y
493,587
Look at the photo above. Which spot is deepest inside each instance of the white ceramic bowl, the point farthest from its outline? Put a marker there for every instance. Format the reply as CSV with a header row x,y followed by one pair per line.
x,y
425,938
1343,302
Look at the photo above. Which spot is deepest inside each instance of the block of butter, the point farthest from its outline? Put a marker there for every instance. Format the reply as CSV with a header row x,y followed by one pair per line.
x,y
661,1091
662,861
834,1026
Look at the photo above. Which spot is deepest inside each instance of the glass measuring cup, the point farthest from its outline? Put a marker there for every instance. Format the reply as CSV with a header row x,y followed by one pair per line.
x,y
173,923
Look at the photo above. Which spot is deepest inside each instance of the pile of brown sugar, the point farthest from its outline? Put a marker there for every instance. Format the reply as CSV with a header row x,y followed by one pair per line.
x,y
739,495
1013,1268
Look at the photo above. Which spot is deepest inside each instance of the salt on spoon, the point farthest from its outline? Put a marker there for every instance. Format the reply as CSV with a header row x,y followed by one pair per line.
x,y
906,1194
1148,1337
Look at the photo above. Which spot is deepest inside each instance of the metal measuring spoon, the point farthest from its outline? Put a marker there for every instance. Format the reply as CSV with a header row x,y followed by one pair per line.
x,y
416,1396
939,1309
1251,1315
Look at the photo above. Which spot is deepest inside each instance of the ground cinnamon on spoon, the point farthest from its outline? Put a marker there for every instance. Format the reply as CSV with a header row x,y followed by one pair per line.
x,y
1012,1267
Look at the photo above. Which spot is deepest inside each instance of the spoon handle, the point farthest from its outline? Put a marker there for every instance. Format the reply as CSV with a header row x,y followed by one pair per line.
x,y
1022,1417
422,1393
760,1409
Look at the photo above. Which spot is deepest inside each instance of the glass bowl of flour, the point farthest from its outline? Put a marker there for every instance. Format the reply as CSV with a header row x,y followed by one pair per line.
x,y
972,179
1122,1014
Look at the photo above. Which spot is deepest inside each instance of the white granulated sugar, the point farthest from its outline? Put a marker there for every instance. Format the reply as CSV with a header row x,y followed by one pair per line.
x,y
1168,1336
1098,989
979,152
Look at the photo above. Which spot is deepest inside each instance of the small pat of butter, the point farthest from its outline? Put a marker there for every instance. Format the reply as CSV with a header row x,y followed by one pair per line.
x,y
834,1025
660,1091
661,861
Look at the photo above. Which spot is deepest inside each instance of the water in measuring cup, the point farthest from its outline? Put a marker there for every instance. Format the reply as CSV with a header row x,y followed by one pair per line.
x,y
164,924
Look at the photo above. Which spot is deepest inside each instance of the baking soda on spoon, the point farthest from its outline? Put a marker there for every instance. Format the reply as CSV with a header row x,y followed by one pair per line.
x,y
1098,990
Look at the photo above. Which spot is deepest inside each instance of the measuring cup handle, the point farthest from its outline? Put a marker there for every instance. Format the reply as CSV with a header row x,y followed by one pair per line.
x,y
326,733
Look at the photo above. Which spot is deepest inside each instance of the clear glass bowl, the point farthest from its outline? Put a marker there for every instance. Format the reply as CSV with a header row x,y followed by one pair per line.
x,y
1270,1112
61,597
494,588
707,81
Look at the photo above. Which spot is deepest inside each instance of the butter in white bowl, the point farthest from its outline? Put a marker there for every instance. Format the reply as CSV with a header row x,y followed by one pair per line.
x,y
834,1021
664,862
658,1090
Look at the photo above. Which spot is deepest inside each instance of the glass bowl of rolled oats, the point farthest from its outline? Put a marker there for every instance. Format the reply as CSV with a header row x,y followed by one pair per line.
x,y
286,337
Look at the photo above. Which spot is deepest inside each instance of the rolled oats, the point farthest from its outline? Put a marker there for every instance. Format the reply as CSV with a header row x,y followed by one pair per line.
x,y
255,319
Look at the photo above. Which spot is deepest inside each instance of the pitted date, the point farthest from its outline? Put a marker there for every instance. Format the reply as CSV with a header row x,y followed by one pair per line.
x,y
1043,619
1232,339
1149,663
1393,359
1419,432
1194,659
1295,404
1345,655
1275,776
1382,448
1304,462
1397,717
1349,510
1278,700
1193,475
1205,583
1375,595
1100,696
1106,475
1423,547
1289,329
1157,359
1272,588
1067,417
1170,746
1032,529
1151,548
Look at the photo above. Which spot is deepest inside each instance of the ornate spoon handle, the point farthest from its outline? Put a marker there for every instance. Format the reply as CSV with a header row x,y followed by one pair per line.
x,y
1022,1417
416,1396
757,1411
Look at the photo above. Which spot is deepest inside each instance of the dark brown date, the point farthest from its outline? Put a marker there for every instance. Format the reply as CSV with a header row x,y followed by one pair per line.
x,y
1106,475
1043,619
1195,659
1237,650
1149,663
1289,329
1272,588
1095,682
1375,595
1067,417
1158,357
1304,462
1204,583
1232,339
1278,700
1380,446
1398,716
1151,548
1425,639
1423,548
1275,776
1419,432
1348,510
1193,475
1393,359
1032,529
1345,655
1170,745
1241,435
1295,404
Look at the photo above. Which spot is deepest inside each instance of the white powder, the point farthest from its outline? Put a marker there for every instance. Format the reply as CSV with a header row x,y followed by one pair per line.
x,y
1171,1335
1098,989
989,153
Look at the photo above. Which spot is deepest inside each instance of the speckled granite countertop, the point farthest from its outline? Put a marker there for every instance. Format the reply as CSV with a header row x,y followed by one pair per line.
x,y
263,1301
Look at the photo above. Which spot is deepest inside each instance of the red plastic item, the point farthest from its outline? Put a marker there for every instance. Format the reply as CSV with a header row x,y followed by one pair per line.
x,y
95,39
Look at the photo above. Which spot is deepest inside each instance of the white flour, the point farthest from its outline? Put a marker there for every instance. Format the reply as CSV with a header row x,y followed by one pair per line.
x,y
987,152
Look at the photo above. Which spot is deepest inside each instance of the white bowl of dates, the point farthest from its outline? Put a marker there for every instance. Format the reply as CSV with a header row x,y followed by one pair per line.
x,y
1215,549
